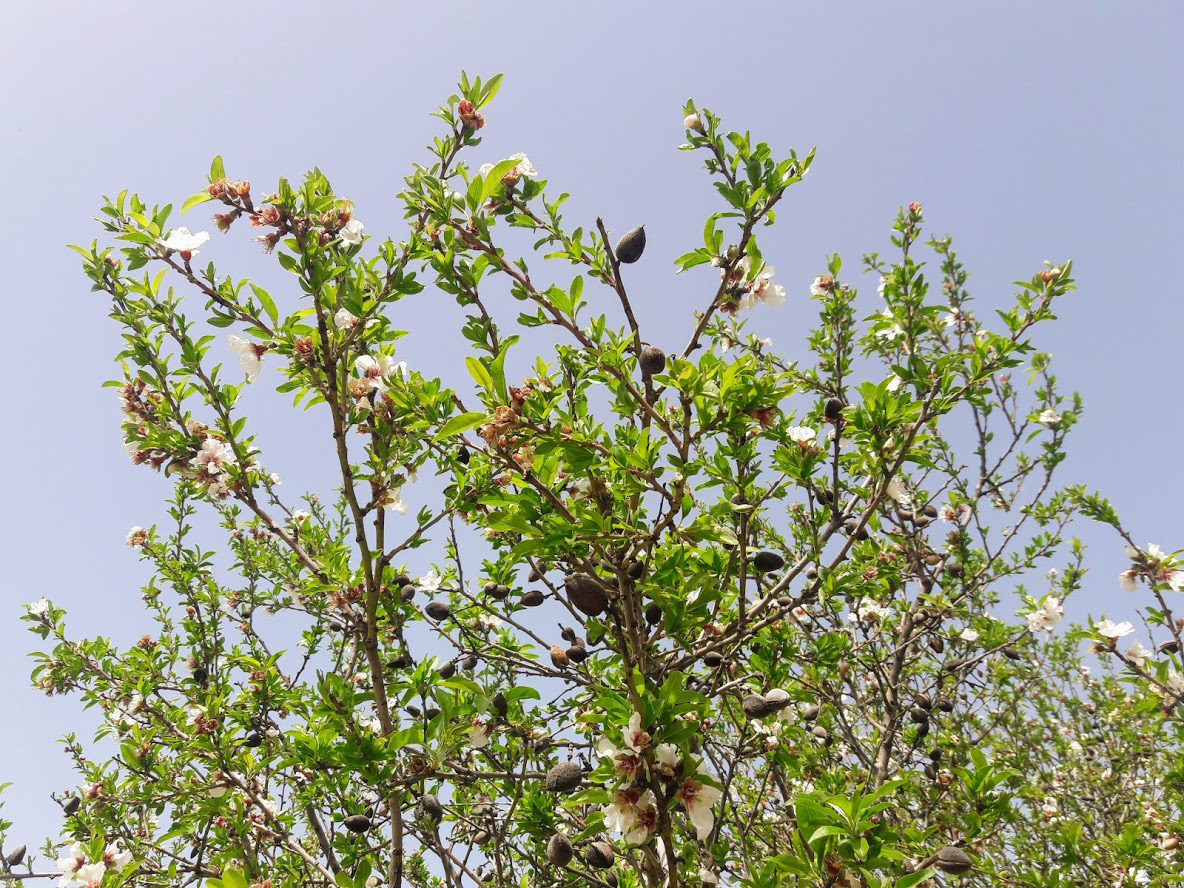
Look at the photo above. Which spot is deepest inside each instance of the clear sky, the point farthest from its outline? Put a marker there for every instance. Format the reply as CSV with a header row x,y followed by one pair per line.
x,y
1029,131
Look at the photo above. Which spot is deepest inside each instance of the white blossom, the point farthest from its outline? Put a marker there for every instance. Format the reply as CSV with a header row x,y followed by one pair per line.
x,y
969,634
392,501
765,291
489,620
666,757
698,797
898,491
869,611
632,813
803,434
1113,631
248,356
374,373
1165,570
351,232
90,875
636,738
114,857
214,456
69,864
1136,876
124,713
1046,616
1137,654
344,319
523,168
38,608
430,581
480,734
180,240
1049,417
893,330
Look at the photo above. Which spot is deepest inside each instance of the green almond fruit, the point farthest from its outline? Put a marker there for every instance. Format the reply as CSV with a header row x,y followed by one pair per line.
x,y
778,697
653,360
564,777
430,808
559,850
599,855
954,861
766,562
500,705
586,593
631,245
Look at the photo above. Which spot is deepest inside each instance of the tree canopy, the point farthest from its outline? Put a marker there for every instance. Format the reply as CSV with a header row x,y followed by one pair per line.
x,y
627,607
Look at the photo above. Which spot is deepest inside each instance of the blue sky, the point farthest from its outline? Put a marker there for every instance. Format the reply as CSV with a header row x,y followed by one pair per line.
x,y
1028,131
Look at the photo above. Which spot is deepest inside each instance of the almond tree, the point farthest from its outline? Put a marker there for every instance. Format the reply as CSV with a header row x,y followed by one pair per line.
x,y
679,611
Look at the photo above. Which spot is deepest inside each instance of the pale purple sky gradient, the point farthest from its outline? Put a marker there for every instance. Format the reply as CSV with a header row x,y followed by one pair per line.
x,y
1029,131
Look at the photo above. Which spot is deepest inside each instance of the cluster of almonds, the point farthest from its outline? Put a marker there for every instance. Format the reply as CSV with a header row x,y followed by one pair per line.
x,y
564,779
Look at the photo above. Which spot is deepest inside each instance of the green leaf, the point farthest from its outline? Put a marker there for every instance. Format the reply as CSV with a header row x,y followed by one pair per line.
x,y
913,879
232,878
493,179
489,91
199,198
498,368
478,372
824,831
461,423
267,302
344,880
217,171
